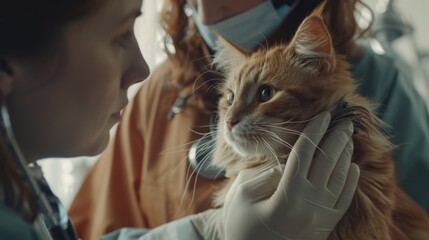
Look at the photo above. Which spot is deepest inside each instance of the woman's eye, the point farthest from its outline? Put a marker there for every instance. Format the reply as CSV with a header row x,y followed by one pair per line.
x,y
125,38
265,93
230,98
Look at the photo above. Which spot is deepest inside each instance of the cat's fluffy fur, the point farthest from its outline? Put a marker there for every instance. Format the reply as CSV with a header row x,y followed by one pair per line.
x,y
305,78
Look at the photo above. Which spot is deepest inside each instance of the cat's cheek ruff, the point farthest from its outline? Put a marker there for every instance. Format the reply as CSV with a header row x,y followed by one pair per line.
x,y
235,147
236,143
243,146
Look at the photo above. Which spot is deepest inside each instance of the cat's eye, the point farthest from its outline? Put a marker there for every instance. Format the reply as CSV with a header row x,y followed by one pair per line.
x,y
265,93
230,98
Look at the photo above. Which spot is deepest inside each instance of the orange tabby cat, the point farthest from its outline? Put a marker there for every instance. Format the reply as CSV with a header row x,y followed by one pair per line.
x,y
270,95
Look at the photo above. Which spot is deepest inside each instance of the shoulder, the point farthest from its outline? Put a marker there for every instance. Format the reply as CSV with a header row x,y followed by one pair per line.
x,y
13,226
385,77
378,72
388,81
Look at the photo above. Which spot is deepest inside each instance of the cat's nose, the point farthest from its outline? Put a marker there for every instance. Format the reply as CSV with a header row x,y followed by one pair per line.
x,y
231,123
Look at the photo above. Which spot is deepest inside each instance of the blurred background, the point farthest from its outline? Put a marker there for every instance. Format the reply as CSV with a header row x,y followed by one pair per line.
x,y
400,24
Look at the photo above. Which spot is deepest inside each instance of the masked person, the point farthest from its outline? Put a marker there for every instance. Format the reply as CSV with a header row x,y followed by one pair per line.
x,y
141,180
65,67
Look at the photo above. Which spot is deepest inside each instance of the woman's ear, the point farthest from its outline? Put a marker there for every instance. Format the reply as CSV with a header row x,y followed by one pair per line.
x,y
6,78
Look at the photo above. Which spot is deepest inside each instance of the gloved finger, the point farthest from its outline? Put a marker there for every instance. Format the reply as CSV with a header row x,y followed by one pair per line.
x,y
262,185
349,189
302,153
326,158
247,174
242,177
339,174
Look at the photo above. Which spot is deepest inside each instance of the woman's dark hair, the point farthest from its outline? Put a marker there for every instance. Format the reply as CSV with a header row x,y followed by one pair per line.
x,y
29,28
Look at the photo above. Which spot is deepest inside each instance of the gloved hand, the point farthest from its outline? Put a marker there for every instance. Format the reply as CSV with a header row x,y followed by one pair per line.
x,y
305,202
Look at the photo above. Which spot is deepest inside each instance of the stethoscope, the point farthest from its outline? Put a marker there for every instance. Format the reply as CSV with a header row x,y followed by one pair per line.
x,y
56,229
200,154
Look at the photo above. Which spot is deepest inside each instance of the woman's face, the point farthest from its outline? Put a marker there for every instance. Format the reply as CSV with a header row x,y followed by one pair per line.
x,y
65,104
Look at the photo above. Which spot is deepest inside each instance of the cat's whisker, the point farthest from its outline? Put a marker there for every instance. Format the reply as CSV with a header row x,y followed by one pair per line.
x,y
182,199
265,47
195,171
206,82
296,133
276,138
207,126
190,172
205,146
273,152
263,67
216,72
182,161
288,131
278,162
281,141
283,129
217,88
256,141
213,89
289,121
186,146
177,149
210,126
186,149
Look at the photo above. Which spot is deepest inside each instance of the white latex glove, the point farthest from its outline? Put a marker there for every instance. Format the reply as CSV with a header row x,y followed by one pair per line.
x,y
305,202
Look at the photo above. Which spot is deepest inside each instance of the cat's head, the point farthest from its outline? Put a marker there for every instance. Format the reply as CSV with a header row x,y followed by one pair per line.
x,y
269,95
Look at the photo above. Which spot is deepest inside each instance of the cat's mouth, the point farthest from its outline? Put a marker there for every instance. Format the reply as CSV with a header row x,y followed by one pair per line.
x,y
249,144
244,135
240,132
237,138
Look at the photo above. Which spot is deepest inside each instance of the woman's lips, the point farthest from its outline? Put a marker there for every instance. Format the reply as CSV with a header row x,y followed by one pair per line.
x,y
117,116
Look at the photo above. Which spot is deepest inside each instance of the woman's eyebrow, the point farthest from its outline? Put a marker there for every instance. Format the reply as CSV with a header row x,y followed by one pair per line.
x,y
132,15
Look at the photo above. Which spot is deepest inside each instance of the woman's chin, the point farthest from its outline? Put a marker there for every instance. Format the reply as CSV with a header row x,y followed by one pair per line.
x,y
98,146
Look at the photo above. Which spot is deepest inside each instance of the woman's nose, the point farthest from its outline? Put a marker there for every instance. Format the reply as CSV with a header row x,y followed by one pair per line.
x,y
136,67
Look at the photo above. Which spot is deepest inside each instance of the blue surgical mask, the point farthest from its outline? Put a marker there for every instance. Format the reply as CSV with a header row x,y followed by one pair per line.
x,y
248,29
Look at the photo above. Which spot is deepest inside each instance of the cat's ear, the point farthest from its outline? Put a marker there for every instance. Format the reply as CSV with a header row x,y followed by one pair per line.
x,y
313,45
228,55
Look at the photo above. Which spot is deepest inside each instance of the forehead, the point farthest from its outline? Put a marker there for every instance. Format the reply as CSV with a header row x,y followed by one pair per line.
x,y
275,66
115,10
